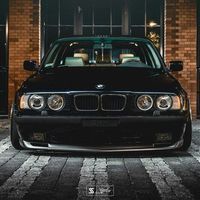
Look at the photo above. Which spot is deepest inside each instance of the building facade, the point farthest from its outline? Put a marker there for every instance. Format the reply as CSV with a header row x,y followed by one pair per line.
x,y
28,27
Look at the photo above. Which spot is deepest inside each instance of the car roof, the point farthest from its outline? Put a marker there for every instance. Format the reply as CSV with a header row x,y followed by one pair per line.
x,y
100,39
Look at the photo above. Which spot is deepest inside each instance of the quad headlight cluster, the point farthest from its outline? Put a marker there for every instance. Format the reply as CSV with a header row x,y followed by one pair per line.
x,y
56,102
39,102
162,103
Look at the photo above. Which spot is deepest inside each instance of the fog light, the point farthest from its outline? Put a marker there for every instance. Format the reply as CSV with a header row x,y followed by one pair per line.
x,y
163,137
38,136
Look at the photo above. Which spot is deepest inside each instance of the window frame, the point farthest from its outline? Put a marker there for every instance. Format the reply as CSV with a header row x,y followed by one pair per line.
x,y
125,25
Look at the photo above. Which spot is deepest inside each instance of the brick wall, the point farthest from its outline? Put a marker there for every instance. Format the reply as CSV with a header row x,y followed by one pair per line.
x,y
180,43
23,40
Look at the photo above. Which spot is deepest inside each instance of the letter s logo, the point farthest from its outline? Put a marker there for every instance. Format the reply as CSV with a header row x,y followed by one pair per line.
x,y
91,190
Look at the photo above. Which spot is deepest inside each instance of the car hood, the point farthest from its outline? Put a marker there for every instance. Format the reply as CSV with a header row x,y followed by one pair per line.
x,y
113,78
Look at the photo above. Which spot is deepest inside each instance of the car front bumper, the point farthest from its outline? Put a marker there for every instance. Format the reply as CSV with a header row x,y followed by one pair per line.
x,y
55,147
148,125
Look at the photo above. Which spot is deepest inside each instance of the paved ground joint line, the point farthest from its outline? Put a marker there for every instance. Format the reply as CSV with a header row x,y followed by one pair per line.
x,y
60,173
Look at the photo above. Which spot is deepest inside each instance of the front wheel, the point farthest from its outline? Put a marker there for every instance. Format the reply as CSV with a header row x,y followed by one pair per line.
x,y
187,138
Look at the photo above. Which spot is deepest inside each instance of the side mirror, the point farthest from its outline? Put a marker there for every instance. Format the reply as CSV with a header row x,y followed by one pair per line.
x,y
30,65
176,66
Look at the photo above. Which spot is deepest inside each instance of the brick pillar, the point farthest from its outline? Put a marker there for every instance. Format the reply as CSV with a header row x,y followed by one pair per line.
x,y
24,40
180,43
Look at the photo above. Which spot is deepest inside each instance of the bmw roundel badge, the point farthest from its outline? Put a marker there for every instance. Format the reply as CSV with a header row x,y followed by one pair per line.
x,y
100,87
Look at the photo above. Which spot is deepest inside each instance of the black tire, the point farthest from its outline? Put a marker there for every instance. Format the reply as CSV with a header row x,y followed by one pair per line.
x,y
14,135
187,138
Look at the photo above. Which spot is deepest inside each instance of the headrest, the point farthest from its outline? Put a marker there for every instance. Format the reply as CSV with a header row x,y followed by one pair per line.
x,y
125,55
74,62
128,59
84,56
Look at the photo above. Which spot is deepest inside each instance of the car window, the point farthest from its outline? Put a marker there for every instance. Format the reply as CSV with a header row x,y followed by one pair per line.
x,y
51,58
153,56
103,53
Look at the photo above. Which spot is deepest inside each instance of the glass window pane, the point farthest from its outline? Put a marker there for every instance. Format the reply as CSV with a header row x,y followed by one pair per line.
x,y
87,12
66,12
154,34
98,31
87,31
66,31
102,12
117,12
3,11
137,12
2,47
3,80
51,8
51,34
117,31
51,58
3,102
138,31
154,11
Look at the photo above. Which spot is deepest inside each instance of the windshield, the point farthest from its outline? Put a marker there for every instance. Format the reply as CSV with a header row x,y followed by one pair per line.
x,y
105,54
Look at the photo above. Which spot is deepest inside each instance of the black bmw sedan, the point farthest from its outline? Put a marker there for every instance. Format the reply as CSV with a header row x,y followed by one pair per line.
x,y
101,94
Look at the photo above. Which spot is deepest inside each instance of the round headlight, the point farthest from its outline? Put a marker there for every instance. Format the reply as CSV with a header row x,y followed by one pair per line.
x,y
36,102
55,102
164,102
144,102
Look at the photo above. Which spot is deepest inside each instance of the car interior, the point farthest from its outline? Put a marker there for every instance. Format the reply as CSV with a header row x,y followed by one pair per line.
x,y
104,55
82,59
124,58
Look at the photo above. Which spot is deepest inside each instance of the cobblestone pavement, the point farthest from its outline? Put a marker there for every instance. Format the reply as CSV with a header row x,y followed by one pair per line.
x,y
142,176
4,123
